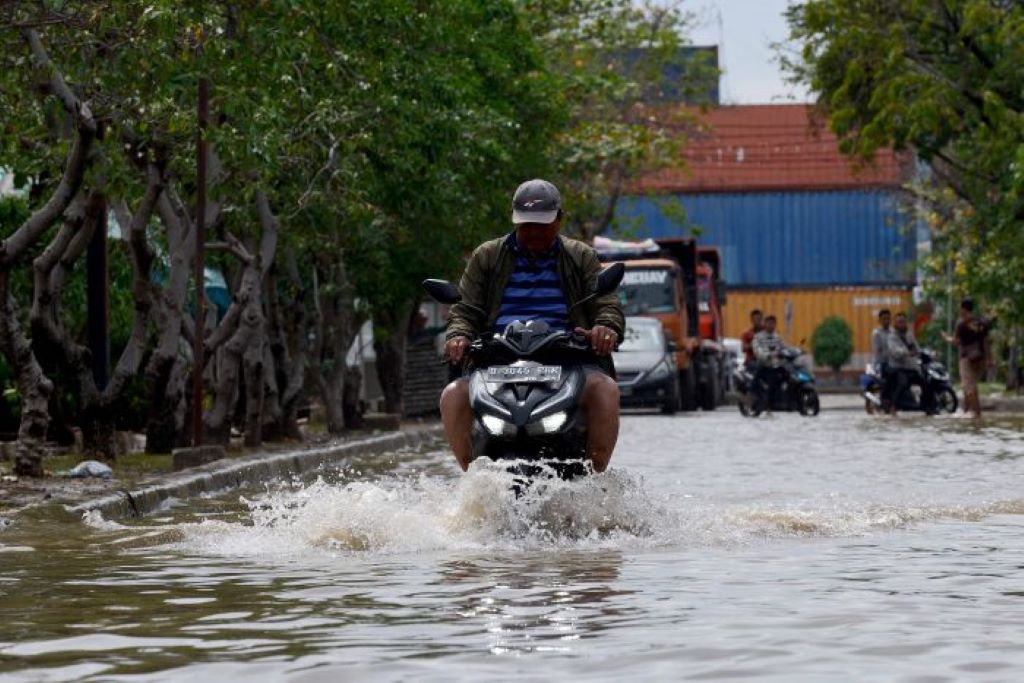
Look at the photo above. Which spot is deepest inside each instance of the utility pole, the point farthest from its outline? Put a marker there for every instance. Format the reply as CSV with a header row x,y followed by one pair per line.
x,y
200,266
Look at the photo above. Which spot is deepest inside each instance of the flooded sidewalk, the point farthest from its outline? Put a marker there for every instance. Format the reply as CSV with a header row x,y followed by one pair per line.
x,y
141,482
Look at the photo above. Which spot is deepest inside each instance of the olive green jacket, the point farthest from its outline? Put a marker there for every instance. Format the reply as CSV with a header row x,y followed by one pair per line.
x,y
483,285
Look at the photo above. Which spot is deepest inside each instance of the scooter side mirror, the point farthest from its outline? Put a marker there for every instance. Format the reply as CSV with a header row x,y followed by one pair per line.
x,y
442,291
610,278
607,281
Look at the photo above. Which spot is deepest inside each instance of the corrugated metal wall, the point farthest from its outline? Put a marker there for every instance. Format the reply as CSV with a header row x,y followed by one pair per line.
x,y
800,311
789,239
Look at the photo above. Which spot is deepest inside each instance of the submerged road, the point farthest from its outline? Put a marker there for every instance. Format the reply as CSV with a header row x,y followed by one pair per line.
x,y
842,547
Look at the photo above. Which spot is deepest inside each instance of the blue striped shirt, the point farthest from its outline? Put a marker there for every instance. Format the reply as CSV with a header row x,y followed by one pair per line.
x,y
534,290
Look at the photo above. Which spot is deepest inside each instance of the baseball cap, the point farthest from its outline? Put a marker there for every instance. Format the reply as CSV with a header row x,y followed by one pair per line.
x,y
536,201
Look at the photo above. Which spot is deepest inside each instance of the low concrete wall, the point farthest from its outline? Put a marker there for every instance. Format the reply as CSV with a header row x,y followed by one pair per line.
x,y
249,470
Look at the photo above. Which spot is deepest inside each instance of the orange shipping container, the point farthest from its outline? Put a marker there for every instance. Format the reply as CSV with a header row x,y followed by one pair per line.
x,y
800,311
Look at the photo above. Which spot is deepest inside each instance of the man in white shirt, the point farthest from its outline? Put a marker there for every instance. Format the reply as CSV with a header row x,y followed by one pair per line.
x,y
767,345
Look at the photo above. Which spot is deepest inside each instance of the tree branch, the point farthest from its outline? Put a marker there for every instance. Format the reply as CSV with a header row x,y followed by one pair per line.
x,y
232,245
79,110
271,228
142,257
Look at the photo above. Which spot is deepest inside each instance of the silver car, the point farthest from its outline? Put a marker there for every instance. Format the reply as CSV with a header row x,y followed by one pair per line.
x,y
646,366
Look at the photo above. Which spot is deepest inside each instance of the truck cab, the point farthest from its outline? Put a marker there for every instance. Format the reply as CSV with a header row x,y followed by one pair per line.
x,y
664,281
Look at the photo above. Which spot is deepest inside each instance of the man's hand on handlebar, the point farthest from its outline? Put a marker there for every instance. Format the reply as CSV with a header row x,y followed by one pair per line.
x,y
602,339
455,348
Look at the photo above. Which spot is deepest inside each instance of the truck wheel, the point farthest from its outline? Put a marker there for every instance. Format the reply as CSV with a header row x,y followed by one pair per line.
x,y
688,389
709,390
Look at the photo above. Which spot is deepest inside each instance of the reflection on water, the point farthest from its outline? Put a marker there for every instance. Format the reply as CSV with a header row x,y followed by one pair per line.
x,y
842,548
540,602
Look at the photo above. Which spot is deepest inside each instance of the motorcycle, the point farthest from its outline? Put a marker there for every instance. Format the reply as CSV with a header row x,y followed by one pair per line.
x,y
525,385
932,371
795,390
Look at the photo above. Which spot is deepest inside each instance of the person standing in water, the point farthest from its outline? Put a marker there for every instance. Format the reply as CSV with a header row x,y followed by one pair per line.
x,y
971,340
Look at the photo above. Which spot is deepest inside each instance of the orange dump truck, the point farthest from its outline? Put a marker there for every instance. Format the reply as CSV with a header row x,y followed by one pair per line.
x,y
679,283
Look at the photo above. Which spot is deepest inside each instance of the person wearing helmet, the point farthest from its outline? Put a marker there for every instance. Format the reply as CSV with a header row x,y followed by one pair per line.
x,y
534,273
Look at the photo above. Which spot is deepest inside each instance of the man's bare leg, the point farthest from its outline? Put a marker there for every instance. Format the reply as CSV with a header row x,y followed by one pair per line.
x,y
457,418
600,404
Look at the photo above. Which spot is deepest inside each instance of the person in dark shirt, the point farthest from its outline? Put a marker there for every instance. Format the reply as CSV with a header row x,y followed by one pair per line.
x,y
747,338
971,339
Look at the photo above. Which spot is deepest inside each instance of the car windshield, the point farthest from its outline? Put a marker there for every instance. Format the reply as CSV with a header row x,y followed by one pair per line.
x,y
642,338
647,291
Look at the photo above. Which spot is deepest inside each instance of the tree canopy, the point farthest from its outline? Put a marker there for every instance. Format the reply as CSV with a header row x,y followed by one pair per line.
x,y
356,148
940,78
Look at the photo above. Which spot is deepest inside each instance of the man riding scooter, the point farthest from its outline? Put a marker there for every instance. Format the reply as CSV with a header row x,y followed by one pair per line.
x,y
747,338
533,273
904,357
880,350
767,345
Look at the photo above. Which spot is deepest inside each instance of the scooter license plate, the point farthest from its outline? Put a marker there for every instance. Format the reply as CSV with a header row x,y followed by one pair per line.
x,y
530,373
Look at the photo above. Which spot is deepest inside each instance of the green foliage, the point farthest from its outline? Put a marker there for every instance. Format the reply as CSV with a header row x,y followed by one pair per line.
x,y
388,134
832,343
13,212
941,79
610,58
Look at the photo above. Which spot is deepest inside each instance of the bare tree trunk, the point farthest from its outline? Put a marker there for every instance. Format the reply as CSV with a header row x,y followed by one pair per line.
x,y
247,343
254,375
286,358
229,360
100,407
165,373
59,354
390,339
33,385
336,324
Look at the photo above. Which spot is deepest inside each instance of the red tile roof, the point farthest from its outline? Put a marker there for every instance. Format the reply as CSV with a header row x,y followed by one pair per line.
x,y
766,148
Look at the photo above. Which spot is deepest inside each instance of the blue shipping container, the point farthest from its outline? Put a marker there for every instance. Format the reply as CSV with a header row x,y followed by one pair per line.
x,y
788,239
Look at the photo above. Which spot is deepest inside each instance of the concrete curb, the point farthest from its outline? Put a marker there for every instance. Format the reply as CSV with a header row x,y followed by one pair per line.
x,y
247,470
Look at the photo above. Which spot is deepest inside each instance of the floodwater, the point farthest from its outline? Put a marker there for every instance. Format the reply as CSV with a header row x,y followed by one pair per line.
x,y
717,548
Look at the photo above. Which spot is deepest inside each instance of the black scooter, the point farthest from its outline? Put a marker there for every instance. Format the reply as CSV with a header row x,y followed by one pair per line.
x,y
525,385
932,371
794,390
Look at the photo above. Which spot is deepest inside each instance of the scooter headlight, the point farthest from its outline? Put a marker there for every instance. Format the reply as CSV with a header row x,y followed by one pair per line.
x,y
553,422
496,426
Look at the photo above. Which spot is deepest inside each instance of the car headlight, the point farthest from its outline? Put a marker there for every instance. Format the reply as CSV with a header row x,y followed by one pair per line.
x,y
553,422
496,426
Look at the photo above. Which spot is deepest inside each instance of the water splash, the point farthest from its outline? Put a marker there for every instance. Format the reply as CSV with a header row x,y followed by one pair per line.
x,y
417,513
479,510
